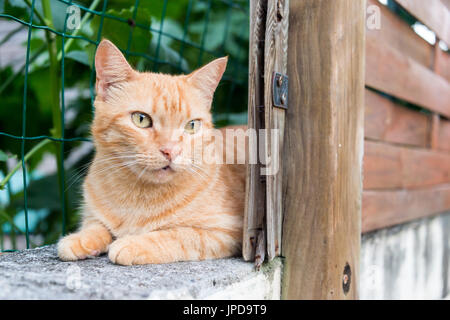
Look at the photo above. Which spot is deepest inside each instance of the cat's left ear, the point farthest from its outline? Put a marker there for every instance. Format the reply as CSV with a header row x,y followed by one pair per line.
x,y
208,77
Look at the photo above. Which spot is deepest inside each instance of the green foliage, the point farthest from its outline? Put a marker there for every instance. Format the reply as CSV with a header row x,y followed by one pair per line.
x,y
3,156
156,35
120,33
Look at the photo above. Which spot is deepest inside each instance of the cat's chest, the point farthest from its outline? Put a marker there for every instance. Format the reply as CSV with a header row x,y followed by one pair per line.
x,y
136,213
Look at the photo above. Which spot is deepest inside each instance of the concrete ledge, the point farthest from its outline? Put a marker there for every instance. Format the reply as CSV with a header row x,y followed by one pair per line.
x,y
39,274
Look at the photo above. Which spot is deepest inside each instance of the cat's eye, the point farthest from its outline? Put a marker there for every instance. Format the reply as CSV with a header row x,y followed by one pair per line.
x,y
192,126
141,120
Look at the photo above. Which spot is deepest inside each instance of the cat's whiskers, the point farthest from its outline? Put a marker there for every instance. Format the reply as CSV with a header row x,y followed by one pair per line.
x,y
196,166
116,167
197,173
208,176
124,165
80,172
121,157
139,176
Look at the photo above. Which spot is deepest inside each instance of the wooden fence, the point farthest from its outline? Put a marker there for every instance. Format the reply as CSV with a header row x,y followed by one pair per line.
x,y
407,150
309,209
382,93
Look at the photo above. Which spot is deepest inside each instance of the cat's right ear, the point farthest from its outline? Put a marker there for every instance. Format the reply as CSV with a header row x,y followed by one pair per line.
x,y
111,67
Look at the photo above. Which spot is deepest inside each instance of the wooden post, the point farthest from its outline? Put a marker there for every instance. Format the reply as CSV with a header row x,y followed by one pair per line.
x,y
255,189
268,56
323,151
275,60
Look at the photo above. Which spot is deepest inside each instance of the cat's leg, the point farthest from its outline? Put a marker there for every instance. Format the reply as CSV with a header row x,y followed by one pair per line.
x,y
91,240
176,244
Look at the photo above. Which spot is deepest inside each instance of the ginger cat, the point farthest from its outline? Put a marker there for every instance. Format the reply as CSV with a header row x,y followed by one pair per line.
x,y
145,198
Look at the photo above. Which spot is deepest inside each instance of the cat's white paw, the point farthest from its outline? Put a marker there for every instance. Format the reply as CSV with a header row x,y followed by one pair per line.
x,y
128,251
79,246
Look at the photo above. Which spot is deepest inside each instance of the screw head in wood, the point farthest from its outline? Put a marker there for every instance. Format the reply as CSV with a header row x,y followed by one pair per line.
x,y
346,278
280,81
283,98
279,10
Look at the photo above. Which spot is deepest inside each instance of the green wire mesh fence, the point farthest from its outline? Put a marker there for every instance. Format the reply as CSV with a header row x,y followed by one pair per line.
x,y
47,91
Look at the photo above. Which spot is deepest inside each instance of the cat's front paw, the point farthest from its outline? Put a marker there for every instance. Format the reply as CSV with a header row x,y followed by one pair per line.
x,y
128,251
79,246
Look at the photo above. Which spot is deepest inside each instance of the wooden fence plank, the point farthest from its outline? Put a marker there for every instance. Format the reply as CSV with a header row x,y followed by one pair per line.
x,y
432,13
275,60
442,63
392,72
438,137
387,121
390,167
434,131
383,209
323,149
382,166
396,32
444,135
255,190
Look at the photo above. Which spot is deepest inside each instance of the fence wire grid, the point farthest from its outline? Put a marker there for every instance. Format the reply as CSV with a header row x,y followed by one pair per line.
x,y
47,89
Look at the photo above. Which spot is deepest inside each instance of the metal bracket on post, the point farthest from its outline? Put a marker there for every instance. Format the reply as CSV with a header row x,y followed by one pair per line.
x,y
280,90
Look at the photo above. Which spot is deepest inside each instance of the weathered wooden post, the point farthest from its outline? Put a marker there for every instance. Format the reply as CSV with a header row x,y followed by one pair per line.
x,y
267,110
323,149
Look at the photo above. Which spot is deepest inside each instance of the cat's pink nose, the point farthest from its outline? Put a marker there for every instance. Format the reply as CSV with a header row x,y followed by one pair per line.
x,y
170,152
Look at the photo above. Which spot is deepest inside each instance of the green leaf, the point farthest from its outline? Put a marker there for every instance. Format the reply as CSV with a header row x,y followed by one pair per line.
x,y
231,119
169,27
79,56
59,13
119,31
16,8
39,83
3,156
167,54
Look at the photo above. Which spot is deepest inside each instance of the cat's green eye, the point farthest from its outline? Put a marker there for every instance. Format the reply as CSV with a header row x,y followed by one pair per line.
x,y
141,120
192,126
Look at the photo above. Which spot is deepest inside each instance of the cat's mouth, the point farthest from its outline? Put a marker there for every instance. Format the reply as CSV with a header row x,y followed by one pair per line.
x,y
167,168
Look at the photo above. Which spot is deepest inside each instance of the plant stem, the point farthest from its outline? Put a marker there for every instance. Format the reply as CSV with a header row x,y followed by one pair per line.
x,y
53,72
55,75
25,158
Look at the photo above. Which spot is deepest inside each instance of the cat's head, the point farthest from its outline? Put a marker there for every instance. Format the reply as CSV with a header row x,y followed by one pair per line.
x,y
147,121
